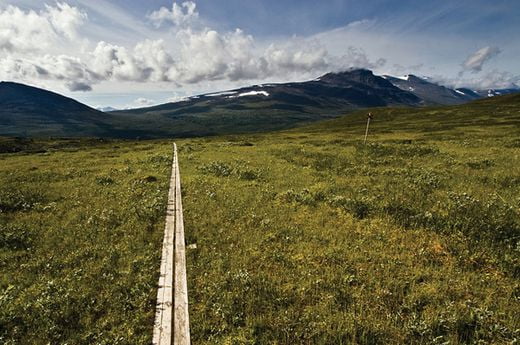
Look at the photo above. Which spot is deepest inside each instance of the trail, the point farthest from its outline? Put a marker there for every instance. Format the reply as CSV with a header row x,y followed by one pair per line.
x,y
172,317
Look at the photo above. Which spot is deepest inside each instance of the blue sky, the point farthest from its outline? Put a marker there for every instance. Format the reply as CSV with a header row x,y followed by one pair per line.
x,y
135,53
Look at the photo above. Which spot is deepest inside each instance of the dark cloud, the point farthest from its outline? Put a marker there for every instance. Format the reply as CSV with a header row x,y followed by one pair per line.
x,y
78,86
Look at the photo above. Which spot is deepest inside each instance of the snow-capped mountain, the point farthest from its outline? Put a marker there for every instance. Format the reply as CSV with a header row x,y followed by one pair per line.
x,y
431,93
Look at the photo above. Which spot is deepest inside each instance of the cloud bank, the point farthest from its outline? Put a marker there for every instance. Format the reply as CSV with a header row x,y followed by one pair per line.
x,y
189,55
50,45
30,31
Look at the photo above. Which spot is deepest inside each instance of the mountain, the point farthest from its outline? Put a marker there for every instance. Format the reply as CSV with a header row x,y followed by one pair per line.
x,y
430,93
278,106
26,110
468,92
29,111
497,92
435,94
336,92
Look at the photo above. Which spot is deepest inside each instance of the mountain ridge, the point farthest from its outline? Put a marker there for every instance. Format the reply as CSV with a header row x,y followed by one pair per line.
x,y
29,111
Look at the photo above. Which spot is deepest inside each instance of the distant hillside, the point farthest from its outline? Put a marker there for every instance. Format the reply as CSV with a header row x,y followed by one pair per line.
x,y
26,110
494,111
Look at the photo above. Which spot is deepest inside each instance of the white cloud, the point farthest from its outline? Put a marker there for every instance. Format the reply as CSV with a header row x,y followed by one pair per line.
x,y
494,79
177,98
141,101
117,63
38,46
476,60
26,31
70,70
44,45
179,15
209,55
65,19
356,57
296,56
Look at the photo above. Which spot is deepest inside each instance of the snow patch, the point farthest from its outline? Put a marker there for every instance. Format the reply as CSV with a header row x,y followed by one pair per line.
x,y
224,93
411,89
251,93
404,77
460,92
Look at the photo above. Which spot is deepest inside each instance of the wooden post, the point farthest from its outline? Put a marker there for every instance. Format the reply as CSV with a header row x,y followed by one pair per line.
x,y
368,124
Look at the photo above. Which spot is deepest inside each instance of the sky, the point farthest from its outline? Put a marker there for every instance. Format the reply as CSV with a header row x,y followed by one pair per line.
x,y
138,53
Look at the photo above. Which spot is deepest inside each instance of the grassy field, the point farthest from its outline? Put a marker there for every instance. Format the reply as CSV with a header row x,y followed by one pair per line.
x,y
297,237
81,226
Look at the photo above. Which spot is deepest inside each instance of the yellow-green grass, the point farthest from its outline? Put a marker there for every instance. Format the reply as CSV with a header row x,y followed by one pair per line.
x,y
81,229
297,237
310,237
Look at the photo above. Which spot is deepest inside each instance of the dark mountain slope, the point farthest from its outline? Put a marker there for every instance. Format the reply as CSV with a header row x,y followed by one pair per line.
x,y
33,111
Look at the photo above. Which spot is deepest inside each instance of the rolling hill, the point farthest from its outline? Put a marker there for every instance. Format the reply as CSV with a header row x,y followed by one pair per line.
x,y
30,111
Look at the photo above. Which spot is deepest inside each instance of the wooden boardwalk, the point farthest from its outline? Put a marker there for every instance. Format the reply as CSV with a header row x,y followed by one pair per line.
x,y
172,324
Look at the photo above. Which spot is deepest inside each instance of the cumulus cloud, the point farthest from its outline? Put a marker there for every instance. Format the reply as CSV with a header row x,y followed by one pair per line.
x,y
65,19
494,79
476,60
209,55
78,86
118,63
74,73
35,45
296,56
25,31
179,15
356,57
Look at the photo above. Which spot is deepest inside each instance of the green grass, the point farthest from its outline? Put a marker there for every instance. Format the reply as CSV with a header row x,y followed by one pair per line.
x,y
80,228
297,237
411,239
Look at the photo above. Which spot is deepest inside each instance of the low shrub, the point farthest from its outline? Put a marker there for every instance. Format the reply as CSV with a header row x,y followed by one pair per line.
x,y
15,238
239,169
14,199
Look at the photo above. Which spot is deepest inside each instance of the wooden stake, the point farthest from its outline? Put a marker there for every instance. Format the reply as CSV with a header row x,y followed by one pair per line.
x,y
368,124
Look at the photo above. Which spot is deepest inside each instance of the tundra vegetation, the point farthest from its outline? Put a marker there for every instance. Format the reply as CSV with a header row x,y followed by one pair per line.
x,y
304,236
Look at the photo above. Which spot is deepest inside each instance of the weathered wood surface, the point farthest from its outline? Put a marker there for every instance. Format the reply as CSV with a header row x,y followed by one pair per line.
x,y
172,318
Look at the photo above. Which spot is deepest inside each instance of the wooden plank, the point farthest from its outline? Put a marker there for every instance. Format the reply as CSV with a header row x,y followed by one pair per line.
x,y
181,315
171,318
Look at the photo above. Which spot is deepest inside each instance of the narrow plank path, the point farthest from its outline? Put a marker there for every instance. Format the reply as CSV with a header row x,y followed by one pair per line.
x,y
172,324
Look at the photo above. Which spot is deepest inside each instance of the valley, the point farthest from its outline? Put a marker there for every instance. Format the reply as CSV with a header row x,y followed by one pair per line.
x,y
297,236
